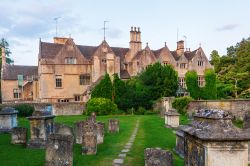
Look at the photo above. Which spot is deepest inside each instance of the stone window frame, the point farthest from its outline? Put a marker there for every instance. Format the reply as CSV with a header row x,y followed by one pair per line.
x,y
182,82
77,98
183,65
58,81
85,79
16,93
200,63
201,81
62,100
70,60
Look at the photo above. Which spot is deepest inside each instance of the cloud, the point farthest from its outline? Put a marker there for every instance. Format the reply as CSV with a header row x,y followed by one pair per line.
x,y
227,27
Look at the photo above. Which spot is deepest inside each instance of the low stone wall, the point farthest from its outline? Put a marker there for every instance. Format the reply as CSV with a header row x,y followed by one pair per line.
x,y
71,108
238,108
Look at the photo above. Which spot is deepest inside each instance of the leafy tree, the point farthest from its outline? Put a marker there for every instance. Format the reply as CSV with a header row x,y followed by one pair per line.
x,y
118,89
191,79
215,60
243,56
103,89
209,92
5,44
159,80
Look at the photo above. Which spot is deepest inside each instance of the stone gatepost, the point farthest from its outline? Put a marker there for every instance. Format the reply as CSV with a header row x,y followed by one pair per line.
x,y
172,118
8,119
59,148
113,125
157,157
100,132
41,126
89,139
79,131
19,135
212,139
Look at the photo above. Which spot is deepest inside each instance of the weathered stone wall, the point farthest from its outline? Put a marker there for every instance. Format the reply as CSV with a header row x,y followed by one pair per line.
x,y
71,108
238,108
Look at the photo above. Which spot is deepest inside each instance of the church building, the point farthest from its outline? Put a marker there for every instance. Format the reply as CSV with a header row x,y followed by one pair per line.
x,y
67,72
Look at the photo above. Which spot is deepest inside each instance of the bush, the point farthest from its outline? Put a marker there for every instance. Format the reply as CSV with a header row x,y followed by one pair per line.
x,y
180,104
24,110
140,111
101,106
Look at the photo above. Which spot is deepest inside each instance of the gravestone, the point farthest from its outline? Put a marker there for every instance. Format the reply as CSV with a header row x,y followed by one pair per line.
x,y
19,135
100,132
212,139
157,157
113,125
172,118
8,119
59,148
41,126
92,117
79,131
89,139
179,143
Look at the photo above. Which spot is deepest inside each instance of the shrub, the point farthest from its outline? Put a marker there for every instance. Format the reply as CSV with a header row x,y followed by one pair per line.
x,y
180,104
101,106
140,111
24,110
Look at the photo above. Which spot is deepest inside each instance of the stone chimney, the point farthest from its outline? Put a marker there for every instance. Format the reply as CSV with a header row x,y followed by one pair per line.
x,y
135,40
3,57
180,47
60,40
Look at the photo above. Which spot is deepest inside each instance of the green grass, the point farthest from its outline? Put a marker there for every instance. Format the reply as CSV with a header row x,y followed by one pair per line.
x,y
151,133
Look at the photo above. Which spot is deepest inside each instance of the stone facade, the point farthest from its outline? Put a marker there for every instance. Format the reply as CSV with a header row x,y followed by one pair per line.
x,y
8,119
158,157
19,135
113,126
41,126
212,140
68,71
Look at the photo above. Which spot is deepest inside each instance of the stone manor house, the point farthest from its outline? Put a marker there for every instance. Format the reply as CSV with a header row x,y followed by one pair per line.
x,y
66,72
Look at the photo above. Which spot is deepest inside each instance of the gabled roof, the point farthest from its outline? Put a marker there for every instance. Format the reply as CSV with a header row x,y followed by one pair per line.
x,y
10,72
188,55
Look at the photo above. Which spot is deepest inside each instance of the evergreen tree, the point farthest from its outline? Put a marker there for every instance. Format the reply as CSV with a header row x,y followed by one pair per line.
x,y
118,89
191,79
215,60
103,89
209,92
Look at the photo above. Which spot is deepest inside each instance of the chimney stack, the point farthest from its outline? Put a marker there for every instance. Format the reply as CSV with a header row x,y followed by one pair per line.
x,y
180,47
3,56
135,40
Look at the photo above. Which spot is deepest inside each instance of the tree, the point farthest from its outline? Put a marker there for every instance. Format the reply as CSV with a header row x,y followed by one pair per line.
x,y
243,56
5,44
159,80
118,89
103,89
215,60
209,92
191,79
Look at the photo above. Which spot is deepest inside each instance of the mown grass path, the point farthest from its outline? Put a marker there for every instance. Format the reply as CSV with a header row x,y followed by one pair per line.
x,y
151,133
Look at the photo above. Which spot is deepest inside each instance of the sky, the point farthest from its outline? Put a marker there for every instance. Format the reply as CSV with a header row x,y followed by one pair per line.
x,y
213,24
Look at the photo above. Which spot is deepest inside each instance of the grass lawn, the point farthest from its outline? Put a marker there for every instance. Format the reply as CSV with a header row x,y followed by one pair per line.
x,y
151,133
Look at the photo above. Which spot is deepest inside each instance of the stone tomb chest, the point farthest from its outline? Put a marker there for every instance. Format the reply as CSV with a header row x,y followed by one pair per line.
x,y
41,126
172,118
8,119
213,140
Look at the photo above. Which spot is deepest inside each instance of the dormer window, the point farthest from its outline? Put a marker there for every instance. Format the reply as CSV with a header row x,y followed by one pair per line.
x,y
70,60
200,63
104,61
183,65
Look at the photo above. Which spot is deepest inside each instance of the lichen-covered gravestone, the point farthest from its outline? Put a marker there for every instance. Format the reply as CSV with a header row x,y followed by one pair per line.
x,y
100,132
172,118
180,142
89,139
212,139
79,131
157,157
59,149
8,119
113,126
41,126
19,135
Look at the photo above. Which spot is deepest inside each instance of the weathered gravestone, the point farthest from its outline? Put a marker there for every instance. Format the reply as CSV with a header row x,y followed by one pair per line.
x,y
100,132
59,148
157,157
79,131
41,126
113,125
19,135
212,139
92,117
180,142
8,119
89,139
172,118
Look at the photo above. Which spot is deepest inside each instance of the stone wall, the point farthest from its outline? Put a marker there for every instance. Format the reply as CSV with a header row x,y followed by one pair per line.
x,y
71,108
238,108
